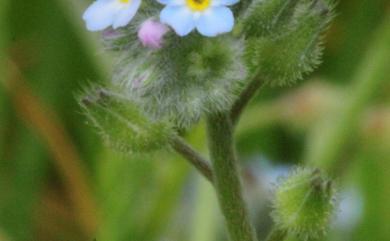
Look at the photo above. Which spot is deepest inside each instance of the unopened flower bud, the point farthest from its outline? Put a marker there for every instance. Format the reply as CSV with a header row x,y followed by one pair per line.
x,y
304,204
151,33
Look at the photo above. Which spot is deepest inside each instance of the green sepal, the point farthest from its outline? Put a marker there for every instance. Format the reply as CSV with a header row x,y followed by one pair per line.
x,y
121,123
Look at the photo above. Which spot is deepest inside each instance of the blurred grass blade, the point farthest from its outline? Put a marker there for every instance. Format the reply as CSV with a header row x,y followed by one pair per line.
x,y
325,146
374,172
50,129
205,223
3,37
73,11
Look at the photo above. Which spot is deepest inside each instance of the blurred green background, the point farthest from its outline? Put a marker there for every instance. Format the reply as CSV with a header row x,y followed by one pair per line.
x,y
58,182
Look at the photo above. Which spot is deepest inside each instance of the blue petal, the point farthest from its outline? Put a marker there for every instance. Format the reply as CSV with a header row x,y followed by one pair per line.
x,y
126,15
180,18
100,15
172,2
215,21
224,2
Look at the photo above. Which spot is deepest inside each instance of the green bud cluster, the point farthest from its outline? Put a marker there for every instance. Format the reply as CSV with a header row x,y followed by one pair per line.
x,y
284,37
304,204
188,77
120,122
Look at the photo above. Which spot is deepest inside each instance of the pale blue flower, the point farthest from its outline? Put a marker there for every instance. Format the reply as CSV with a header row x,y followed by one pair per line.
x,y
209,17
116,13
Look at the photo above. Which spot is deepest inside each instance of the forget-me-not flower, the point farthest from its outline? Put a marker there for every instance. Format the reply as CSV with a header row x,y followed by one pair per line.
x,y
116,13
209,17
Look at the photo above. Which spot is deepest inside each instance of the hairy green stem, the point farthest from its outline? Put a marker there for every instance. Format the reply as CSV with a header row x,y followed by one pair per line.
x,y
226,177
245,97
277,235
193,157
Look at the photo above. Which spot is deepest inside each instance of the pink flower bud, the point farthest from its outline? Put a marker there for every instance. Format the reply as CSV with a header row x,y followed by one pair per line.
x,y
151,33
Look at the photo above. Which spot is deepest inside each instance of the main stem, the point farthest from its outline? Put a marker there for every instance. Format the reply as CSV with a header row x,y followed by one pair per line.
x,y
226,177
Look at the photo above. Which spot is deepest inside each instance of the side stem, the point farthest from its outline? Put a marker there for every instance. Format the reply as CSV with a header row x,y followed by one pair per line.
x,y
193,157
245,97
226,177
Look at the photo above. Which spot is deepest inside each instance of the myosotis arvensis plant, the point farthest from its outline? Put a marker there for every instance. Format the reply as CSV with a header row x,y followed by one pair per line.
x,y
182,60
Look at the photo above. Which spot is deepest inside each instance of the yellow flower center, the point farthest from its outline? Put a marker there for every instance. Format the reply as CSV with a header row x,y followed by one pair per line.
x,y
198,5
124,1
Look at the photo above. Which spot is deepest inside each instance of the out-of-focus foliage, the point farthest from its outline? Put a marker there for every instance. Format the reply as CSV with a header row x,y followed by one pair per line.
x,y
58,182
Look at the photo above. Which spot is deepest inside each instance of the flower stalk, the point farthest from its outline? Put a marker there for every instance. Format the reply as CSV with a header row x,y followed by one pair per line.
x,y
226,177
245,97
196,160
367,81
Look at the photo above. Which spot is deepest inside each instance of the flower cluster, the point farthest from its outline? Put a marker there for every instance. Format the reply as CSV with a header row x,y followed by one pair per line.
x,y
179,80
209,17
